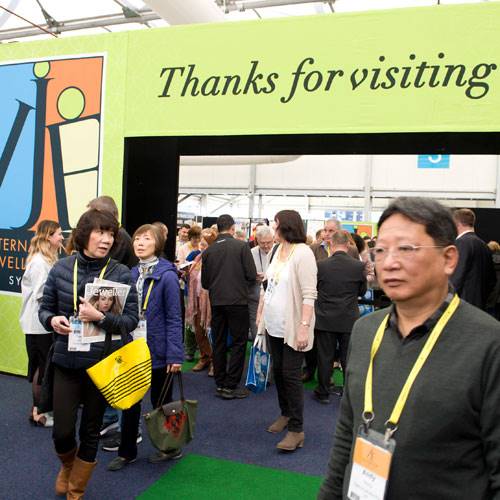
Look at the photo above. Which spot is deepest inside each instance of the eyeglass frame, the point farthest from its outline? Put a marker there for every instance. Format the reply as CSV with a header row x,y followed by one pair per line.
x,y
380,256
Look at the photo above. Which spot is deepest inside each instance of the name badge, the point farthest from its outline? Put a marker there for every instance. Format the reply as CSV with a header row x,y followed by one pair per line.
x,y
370,466
271,287
141,332
75,337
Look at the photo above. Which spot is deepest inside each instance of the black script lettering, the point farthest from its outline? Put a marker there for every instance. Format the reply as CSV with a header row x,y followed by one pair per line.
x,y
299,71
214,82
390,78
420,73
332,73
170,76
252,79
459,82
355,83
191,80
271,82
473,83
236,80
315,85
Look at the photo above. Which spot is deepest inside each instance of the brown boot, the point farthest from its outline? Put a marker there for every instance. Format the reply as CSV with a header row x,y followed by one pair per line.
x,y
200,366
291,441
62,478
78,479
279,425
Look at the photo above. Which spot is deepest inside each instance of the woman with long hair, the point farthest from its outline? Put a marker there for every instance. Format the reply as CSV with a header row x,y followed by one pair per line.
x,y
286,314
62,303
42,255
198,306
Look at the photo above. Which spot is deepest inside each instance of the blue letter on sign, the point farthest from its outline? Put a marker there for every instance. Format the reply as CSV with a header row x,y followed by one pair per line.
x,y
433,161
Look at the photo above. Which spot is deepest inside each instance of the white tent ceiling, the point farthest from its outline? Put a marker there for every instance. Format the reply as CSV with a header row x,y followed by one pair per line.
x,y
77,17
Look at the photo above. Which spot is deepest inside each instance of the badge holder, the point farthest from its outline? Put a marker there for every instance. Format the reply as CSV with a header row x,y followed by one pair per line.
x,y
371,463
75,336
141,332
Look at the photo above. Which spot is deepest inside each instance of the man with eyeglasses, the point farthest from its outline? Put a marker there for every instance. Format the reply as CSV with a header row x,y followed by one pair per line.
x,y
420,416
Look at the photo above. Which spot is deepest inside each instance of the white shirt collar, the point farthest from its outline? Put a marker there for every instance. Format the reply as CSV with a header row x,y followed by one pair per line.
x,y
465,232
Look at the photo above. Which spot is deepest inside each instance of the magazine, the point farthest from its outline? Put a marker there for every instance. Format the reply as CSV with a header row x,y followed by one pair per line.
x,y
105,296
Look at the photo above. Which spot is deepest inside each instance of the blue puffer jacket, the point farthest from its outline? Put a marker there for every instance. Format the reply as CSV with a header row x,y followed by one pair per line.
x,y
58,301
163,314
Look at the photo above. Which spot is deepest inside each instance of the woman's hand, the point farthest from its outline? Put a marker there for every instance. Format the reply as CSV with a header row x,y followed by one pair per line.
x,y
87,312
60,325
173,368
302,337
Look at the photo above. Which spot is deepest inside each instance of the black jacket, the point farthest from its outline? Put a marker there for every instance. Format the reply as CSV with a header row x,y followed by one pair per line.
x,y
227,271
341,280
58,301
123,251
474,276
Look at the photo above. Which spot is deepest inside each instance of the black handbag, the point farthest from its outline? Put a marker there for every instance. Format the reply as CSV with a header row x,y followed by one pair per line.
x,y
171,425
46,393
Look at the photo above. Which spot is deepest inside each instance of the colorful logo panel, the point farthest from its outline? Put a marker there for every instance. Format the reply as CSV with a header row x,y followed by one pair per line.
x,y
50,140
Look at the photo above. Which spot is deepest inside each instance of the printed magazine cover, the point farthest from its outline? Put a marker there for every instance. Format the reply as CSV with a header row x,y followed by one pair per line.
x,y
105,296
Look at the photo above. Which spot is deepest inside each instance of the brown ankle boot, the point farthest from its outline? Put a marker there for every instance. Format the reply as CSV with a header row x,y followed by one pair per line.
x,y
62,478
78,479
278,425
291,441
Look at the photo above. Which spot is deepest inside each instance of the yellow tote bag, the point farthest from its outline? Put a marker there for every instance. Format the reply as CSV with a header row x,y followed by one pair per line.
x,y
124,376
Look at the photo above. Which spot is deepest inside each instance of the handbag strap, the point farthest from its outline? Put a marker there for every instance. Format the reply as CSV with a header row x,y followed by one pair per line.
x,y
169,379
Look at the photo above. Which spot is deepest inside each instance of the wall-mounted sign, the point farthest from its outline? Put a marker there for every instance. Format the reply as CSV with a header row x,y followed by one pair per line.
x,y
433,161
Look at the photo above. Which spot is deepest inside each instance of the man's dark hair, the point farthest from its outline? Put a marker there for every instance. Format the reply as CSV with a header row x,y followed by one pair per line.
x,y
184,226
359,241
290,226
464,216
104,203
436,218
93,220
224,223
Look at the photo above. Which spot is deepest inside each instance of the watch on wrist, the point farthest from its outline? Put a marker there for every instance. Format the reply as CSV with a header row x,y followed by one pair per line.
x,y
101,321
305,323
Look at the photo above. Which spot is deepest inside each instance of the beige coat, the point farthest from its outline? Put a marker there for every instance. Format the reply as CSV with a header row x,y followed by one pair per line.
x,y
302,290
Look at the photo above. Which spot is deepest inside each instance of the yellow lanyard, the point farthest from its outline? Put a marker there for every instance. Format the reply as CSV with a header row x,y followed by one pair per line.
x,y
75,282
145,306
393,420
279,268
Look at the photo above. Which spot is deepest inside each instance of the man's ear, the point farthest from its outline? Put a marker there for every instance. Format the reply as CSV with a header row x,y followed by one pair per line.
x,y
450,254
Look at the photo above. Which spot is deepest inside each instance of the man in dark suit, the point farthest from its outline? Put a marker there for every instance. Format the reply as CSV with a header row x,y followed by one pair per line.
x,y
341,280
474,276
227,272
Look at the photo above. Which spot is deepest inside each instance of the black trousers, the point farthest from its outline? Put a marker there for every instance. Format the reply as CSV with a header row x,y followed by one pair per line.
x,y
132,416
287,371
327,346
72,387
311,358
235,320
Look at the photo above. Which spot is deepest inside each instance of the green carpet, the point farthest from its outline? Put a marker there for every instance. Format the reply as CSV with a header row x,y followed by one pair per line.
x,y
337,379
199,477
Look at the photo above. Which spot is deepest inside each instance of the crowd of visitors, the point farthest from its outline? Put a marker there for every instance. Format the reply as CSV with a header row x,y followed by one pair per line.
x,y
400,365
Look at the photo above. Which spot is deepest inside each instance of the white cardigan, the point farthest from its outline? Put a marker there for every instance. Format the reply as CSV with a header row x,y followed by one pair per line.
x,y
32,285
302,290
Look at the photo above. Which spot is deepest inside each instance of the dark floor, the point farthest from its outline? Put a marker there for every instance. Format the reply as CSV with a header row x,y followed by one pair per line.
x,y
233,430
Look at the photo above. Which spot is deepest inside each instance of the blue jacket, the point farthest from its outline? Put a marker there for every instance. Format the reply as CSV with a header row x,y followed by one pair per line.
x,y
163,314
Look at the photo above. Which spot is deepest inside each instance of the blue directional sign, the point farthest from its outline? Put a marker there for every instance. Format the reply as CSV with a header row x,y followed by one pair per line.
x,y
433,161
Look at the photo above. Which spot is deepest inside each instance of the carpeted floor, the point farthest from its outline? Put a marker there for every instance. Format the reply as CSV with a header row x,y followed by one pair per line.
x,y
226,430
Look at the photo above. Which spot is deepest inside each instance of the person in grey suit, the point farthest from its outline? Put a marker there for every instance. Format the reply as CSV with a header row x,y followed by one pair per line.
x,y
341,280
474,277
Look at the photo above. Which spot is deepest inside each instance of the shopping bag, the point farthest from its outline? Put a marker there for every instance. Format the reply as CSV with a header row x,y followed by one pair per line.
x,y
365,304
124,376
259,365
210,335
171,425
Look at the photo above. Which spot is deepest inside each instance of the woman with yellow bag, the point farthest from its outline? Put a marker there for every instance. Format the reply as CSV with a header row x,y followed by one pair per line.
x,y
160,312
62,311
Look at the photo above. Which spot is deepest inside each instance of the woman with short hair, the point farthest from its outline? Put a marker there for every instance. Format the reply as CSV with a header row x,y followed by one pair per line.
x,y
286,314
159,305
62,302
42,255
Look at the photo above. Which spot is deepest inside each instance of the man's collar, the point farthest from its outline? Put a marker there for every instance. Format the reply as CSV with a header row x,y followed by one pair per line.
x,y
427,325
465,232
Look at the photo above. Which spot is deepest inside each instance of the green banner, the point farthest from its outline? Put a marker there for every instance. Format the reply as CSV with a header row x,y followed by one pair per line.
x,y
406,70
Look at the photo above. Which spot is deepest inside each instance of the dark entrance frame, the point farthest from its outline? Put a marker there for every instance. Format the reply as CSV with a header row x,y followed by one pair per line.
x,y
151,164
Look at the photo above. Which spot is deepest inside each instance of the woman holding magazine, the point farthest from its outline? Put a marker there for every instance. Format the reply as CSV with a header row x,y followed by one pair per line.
x,y
160,311
63,306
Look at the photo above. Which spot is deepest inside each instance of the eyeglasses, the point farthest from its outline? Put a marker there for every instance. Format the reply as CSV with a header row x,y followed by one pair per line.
x,y
401,251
